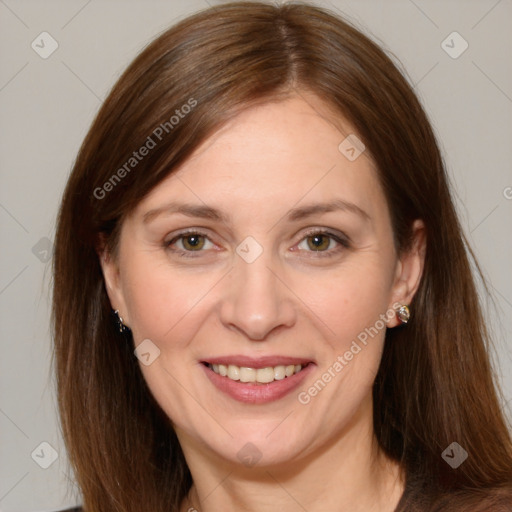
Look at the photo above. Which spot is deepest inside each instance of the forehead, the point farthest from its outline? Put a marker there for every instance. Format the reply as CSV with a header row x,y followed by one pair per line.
x,y
274,155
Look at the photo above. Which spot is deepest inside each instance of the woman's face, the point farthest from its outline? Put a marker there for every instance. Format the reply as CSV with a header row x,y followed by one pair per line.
x,y
270,248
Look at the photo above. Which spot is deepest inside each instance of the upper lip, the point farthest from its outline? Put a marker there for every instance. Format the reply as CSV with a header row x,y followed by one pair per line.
x,y
257,362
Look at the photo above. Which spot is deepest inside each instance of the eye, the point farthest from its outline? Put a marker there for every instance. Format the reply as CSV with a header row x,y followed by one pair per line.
x,y
188,242
318,241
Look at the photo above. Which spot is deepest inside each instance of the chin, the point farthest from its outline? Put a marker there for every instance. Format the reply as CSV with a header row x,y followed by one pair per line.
x,y
263,447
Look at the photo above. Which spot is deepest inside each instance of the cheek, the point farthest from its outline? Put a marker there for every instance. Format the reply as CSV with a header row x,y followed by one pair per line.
x,y
168,307
159,298
349,301
354,308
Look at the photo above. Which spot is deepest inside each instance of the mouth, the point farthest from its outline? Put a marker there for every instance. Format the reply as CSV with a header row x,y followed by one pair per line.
x,y
257,381
256,376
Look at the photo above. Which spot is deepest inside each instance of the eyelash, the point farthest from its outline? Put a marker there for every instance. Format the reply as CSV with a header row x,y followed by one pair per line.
x,y
342,241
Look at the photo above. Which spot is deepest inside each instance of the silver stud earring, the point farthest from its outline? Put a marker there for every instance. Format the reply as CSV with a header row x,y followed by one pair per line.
x,y
122,328
403,313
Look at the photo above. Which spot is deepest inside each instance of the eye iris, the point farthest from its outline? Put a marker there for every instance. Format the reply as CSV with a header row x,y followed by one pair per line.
x,y
319,242
193,242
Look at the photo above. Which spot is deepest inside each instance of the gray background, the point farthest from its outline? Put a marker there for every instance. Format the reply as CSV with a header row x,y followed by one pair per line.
x,y
47,105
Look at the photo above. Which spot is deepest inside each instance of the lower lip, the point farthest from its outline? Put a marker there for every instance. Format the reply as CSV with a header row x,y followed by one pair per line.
x,y
251,393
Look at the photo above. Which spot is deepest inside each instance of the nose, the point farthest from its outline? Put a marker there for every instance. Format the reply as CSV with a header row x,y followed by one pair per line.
x,y
257,302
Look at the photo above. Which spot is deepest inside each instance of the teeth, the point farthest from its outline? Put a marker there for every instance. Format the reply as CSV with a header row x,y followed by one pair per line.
x,y
233,372
259,375
247,375
279,372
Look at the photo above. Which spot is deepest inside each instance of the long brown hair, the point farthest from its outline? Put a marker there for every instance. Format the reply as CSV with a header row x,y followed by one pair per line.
x,y
435,384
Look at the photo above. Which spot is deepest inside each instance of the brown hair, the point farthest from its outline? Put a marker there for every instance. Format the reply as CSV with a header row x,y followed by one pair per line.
x,y
435,384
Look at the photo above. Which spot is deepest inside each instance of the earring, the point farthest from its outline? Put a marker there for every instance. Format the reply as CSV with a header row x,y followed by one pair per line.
x,y
122,328
403,313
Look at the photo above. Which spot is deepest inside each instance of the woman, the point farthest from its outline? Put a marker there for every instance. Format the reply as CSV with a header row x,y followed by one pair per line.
x,y
263,298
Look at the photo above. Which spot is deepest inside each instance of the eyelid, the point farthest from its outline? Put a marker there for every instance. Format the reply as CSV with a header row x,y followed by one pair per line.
x,y
185,232
340,238
326,231
182,234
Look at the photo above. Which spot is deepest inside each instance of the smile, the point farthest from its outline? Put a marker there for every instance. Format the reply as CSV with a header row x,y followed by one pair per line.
x,y
257,380
255,375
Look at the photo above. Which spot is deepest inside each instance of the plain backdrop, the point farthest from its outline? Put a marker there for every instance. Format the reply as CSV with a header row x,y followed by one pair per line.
x,y
47,105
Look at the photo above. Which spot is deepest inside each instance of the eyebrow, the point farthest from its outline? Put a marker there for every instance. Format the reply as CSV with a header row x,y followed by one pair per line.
x,y
295,214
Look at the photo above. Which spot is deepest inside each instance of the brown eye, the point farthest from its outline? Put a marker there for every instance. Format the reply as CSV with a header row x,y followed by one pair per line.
x,y
193,242
318,242
188,243
323,243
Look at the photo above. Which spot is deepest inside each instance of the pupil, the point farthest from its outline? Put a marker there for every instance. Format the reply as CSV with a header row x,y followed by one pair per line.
x,y
318,242
192,242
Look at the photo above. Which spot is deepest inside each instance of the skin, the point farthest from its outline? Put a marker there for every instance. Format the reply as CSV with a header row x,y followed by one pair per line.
x,y
292,300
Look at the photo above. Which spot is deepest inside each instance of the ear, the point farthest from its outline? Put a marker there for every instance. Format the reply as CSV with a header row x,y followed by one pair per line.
x,y
409,270
112,278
